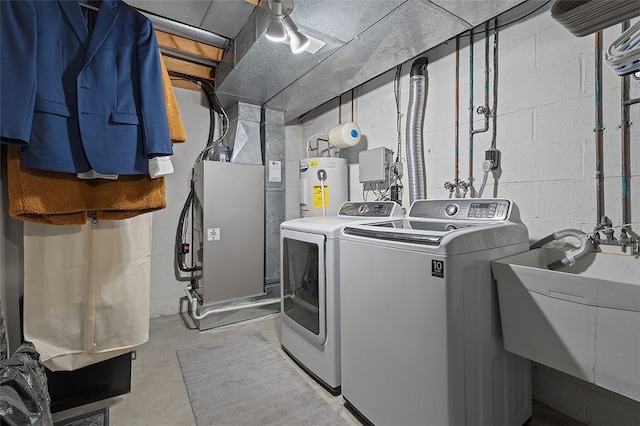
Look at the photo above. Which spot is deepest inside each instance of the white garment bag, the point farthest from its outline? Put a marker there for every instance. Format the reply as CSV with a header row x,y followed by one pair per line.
x,y
86,290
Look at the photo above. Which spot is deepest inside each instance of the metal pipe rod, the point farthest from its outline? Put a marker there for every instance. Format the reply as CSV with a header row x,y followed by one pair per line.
x,y
494,112
599,129
456,149
632,101
471,107
625,130
189,57
184,30
486,81
352,106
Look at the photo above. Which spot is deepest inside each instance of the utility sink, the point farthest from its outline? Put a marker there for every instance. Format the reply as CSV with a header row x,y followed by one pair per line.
x,y
583,319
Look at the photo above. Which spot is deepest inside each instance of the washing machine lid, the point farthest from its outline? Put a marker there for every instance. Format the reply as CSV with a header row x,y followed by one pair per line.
x,y
414,231
447,226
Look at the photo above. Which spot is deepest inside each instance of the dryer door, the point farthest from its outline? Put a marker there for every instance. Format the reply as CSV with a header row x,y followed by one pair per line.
x,y
303,284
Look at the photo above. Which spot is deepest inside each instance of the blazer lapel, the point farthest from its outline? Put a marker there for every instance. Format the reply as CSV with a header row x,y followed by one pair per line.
x,y
74,17
107,16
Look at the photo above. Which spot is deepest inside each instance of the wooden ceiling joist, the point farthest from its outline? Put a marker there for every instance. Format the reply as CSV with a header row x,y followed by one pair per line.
x,y
189,68
190,47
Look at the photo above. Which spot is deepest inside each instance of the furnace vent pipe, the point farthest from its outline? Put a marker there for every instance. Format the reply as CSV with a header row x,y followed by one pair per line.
x,y
415,119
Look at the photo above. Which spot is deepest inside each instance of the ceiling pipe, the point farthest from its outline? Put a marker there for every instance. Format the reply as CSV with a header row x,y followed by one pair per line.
x,y
187,31
189,57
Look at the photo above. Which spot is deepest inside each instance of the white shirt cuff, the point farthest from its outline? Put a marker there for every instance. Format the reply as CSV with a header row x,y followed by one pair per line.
x,y
160,166
92,174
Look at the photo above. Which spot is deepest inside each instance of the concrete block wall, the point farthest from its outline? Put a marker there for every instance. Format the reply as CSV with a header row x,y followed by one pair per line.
x,y
545,132
545,124
166,289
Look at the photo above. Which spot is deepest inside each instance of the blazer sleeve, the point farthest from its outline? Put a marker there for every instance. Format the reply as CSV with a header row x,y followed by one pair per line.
x,y
156,138
18,43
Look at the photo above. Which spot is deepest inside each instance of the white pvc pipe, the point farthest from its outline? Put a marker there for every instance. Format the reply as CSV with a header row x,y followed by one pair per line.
x,y
193,302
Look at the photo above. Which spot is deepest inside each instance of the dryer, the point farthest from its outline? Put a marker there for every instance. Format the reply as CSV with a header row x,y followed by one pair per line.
x,y
310,305
421,337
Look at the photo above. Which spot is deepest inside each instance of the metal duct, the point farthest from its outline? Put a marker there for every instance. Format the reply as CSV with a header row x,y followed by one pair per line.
x,y
243,136
273,137
415,119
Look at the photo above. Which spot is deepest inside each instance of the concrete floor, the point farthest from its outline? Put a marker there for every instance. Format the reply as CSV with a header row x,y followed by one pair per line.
x,y
158,396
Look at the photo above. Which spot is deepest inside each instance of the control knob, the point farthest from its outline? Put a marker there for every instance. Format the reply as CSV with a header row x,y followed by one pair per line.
x,y
363,210
451,209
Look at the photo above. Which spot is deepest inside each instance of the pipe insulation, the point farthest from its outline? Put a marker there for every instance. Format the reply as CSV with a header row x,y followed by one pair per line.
x,y
415,120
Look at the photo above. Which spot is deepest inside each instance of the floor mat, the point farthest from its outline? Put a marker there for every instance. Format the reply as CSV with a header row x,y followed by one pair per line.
x,y
244,380
94,418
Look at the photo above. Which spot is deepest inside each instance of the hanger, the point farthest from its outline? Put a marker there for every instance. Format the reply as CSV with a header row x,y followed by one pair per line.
x,y
88,6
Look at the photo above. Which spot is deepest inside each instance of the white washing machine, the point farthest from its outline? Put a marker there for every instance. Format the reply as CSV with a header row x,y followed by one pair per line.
x,y
310,307
421,337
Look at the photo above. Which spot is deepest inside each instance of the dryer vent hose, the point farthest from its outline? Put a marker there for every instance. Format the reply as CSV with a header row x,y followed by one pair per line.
x,y
415,119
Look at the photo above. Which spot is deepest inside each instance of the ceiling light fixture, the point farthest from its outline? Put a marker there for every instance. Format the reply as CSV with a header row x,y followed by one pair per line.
x,y
282,27
276,30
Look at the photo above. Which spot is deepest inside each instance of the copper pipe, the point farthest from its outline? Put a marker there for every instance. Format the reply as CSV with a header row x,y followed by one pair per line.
x,y
471,108
352,105
599,129
456,166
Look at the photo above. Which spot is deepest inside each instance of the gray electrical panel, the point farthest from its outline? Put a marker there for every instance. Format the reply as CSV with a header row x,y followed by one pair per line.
x,y
374,165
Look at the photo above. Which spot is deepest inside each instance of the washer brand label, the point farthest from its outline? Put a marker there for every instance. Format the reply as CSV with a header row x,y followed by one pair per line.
x,y
437,268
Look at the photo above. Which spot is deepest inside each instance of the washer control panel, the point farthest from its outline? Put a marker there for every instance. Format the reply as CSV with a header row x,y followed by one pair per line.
x,y
461,209
370,209
491,210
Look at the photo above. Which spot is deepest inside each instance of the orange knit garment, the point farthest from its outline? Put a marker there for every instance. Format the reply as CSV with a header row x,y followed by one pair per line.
x,y
62,199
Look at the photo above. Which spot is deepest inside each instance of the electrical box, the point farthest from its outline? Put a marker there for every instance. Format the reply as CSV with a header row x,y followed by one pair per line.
x,y
374,165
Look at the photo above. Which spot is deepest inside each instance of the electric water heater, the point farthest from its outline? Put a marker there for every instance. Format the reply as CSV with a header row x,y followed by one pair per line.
x,y
323,186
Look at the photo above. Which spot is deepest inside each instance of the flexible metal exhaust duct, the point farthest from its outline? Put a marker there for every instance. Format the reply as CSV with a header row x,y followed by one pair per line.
x,y
415,119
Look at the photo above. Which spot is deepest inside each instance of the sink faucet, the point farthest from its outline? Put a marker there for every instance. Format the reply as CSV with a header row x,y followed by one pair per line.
x,y
624,238
627,236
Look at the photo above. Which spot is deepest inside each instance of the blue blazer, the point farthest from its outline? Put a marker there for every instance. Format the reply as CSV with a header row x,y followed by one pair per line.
x,y
77,100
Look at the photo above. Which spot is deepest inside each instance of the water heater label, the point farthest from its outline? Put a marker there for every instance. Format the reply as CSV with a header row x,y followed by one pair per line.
x,y
213,234
437,268
317,196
